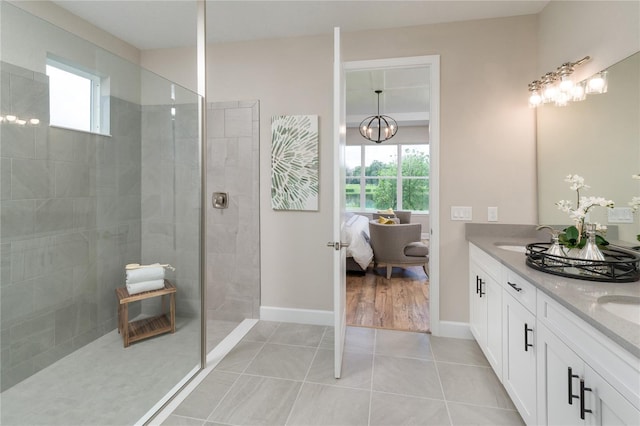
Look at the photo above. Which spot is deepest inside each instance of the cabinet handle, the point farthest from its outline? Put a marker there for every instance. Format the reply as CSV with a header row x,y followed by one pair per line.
x,y
477,284
570,377
482,293
515,287
527,345
582,390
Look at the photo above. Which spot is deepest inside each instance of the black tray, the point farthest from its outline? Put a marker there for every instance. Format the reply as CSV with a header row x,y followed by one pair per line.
x,y
619,265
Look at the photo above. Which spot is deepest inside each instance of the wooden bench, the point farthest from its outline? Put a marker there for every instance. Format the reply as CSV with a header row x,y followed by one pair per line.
x,y
147,327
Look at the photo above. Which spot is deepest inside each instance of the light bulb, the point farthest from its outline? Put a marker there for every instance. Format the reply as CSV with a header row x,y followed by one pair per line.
x,y
561,99
34,121
598,83
566,84
550,93
21,122
11,118
1,119
535,99
578,93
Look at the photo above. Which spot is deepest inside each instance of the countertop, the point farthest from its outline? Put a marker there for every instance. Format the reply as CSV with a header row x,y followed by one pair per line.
x,y
579,296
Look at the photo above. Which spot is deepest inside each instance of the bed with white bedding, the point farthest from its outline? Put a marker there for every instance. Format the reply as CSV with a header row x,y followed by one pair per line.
x,y
359,252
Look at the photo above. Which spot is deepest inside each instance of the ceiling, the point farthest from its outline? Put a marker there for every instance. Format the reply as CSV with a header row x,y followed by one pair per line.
x,y
155,24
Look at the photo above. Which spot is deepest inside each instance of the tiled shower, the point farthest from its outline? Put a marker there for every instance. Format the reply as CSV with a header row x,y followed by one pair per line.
x,y
77,207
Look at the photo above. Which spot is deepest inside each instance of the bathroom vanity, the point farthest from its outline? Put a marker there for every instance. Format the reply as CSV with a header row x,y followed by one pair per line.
x,y
566,350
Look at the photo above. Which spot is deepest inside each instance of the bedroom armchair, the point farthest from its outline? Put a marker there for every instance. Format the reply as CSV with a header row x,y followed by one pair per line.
x,y
398,245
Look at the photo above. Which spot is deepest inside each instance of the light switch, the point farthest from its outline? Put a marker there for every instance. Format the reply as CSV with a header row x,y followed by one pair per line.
x,y
492,214
461,213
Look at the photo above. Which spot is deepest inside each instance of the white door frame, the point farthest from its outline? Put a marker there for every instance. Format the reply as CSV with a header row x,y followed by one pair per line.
x,y
433,62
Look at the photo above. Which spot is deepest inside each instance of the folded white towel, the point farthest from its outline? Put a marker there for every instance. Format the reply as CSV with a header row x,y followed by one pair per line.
x,y
150,273
140,287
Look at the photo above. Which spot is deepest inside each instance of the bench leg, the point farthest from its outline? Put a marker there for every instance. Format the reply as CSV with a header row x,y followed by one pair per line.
x,y
125,324
172,311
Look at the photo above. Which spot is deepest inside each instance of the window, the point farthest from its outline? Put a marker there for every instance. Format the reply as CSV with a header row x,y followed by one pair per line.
x,y
379,177
76,98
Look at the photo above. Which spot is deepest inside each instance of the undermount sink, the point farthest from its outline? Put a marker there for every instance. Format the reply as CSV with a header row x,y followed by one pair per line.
x,y
625,307
512,247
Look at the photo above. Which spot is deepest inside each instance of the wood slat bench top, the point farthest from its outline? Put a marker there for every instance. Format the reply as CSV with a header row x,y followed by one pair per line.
x,y
124,296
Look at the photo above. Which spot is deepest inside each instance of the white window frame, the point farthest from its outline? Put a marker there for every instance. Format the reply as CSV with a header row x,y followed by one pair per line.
x,y
98,119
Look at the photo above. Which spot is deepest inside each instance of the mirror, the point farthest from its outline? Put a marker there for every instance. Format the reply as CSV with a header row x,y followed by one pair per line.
x,y
598,139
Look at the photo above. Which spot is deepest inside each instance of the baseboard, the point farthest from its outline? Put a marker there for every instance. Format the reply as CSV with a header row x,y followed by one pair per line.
x,y
298,316
457,330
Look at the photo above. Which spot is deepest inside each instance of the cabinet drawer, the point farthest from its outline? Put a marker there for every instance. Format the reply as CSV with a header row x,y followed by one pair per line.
x,y
521,290
488,264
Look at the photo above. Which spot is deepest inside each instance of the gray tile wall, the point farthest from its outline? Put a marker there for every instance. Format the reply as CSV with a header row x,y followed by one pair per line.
x,y
233,234
70,219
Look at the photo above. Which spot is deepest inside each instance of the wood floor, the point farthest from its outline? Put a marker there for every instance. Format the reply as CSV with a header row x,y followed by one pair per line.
x,y
401,303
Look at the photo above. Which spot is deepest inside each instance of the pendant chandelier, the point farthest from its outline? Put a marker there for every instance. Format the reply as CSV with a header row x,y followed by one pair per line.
x,y
378,128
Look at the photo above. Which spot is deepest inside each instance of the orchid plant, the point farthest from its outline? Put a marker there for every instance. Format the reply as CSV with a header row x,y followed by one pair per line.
x,y
575,236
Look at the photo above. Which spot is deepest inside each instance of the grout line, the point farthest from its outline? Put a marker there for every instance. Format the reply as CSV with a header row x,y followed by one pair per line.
x,y
444,396
373,366
304,380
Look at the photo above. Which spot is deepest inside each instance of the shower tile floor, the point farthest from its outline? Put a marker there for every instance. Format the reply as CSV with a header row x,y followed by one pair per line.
x,y
104,383
282,374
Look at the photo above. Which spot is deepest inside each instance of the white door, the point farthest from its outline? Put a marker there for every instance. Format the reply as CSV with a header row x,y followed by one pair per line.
x,y
339,257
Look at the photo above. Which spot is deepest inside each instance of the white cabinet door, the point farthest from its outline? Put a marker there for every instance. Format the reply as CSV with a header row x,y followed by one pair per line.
x,y
560,371
477,305
519,357
603,405
494,325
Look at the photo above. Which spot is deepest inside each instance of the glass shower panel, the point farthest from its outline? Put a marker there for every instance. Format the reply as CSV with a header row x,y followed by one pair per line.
x,y
76,207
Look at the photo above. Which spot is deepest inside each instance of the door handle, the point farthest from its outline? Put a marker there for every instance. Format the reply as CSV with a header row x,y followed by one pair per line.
x,y
582,390
337,245
514,286
527,345
570,377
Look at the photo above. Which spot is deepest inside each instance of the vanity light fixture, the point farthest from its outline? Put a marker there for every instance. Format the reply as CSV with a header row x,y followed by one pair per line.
x,y
558,86
378,128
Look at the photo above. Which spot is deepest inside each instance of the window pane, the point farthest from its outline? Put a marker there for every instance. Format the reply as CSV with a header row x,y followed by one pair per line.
x,y
353,158
415,160
69,99
381,160
352,195
381,194
415,194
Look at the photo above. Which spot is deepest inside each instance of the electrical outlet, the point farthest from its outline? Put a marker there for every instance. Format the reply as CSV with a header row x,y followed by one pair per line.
x,y
620,215
492,214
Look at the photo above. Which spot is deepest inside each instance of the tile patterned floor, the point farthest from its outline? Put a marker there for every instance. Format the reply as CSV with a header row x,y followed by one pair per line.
x,y
282,374
86,387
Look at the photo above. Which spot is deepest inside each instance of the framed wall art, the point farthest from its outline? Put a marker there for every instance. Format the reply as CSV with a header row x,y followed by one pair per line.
x,y
294,162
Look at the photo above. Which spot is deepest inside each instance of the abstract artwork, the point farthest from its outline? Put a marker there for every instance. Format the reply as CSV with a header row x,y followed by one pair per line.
x,y
294,162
